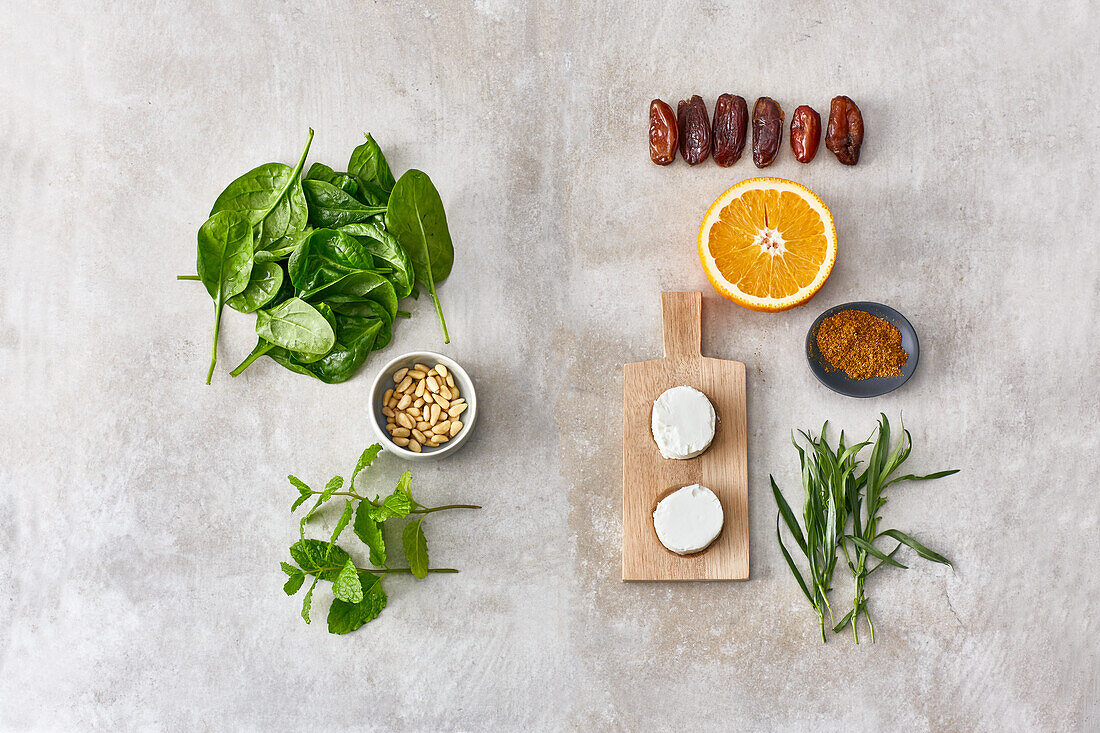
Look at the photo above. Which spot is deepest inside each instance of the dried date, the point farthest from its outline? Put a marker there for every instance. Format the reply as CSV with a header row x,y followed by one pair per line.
x,y
767,131
662,133
845,134
694,130
731,121
805,133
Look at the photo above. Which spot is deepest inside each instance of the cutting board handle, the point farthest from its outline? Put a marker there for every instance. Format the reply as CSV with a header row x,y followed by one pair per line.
x,y
681,316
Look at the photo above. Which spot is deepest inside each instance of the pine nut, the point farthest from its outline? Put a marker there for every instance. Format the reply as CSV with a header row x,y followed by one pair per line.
x,y
404,420
451,381
401,432
429,397
457,410
440,439
419,402
459,401
417,374
401,442
414,446
413,411
436,412
433,385
456,425
419,436
404,385
405,401
386,397
387,412
399,375
420,388
445,391
423,426
421,367
442,427
391,427
441,370
442,402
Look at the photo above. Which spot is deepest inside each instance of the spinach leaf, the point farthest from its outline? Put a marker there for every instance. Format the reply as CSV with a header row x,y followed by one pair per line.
x,y
326,256
387,251
354,341
416,217
224,264
263,286
284,246
369,309
330,206
370,168
296,325
271,196
357,286
344,617
321,172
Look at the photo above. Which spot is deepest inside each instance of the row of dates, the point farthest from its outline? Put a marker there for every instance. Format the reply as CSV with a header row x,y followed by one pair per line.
x,y
697,136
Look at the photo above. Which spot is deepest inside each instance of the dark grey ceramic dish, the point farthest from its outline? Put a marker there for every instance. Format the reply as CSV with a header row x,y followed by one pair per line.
x,y
840,382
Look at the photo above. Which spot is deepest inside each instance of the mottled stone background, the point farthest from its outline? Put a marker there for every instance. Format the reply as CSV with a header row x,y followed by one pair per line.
x,y
143,514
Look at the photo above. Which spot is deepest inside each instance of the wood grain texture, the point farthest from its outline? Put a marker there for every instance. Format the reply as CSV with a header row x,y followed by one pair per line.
x,y
723,467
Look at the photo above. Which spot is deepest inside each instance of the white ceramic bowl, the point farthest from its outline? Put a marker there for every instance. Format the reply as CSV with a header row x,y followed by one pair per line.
x,y
384,381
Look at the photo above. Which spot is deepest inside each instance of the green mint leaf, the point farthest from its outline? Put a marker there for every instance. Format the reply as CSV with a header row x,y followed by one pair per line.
x,y
365,460
307,602
289,569
344,617
398,504
334,484
294,583
368,529
346,587
342,522
300,485
298,502
317,557
416,548
403,485
306,518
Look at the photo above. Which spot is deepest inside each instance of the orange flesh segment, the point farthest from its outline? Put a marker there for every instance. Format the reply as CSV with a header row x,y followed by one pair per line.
x,y
754,271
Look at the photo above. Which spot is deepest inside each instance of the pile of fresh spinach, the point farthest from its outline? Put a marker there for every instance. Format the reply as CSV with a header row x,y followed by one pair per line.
x,y
322,259
358,596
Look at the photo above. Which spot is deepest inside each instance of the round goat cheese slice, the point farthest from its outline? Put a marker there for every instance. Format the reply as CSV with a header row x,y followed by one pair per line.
x,y
688,519
683,422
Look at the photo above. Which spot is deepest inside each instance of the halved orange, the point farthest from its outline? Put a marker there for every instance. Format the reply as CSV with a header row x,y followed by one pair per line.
x,y
768,244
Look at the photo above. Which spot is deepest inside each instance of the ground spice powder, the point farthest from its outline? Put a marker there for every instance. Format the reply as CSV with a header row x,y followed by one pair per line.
x,y
861,345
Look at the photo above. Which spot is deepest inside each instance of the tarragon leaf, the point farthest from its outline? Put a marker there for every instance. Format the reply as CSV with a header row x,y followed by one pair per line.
x,y
346,587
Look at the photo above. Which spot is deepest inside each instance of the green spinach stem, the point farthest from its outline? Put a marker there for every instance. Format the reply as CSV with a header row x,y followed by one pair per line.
x,y
217,327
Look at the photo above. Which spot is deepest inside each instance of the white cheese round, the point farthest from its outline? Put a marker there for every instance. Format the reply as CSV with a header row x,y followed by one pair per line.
x,y
688,519
683,422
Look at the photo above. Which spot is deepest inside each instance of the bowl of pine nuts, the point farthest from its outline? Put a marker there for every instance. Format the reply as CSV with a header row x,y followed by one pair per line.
x,y
423,406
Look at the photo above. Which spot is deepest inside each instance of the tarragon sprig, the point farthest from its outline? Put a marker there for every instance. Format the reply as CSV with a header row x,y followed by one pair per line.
x,y
358,596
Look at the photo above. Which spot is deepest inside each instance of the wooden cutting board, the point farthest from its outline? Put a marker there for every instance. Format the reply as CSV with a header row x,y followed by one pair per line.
x,y
647,476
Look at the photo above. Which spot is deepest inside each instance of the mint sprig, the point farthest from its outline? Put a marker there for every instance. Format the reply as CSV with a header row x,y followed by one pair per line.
x,y
358,594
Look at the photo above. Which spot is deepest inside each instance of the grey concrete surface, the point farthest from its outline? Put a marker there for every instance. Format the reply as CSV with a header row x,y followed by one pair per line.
x,y
143,514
